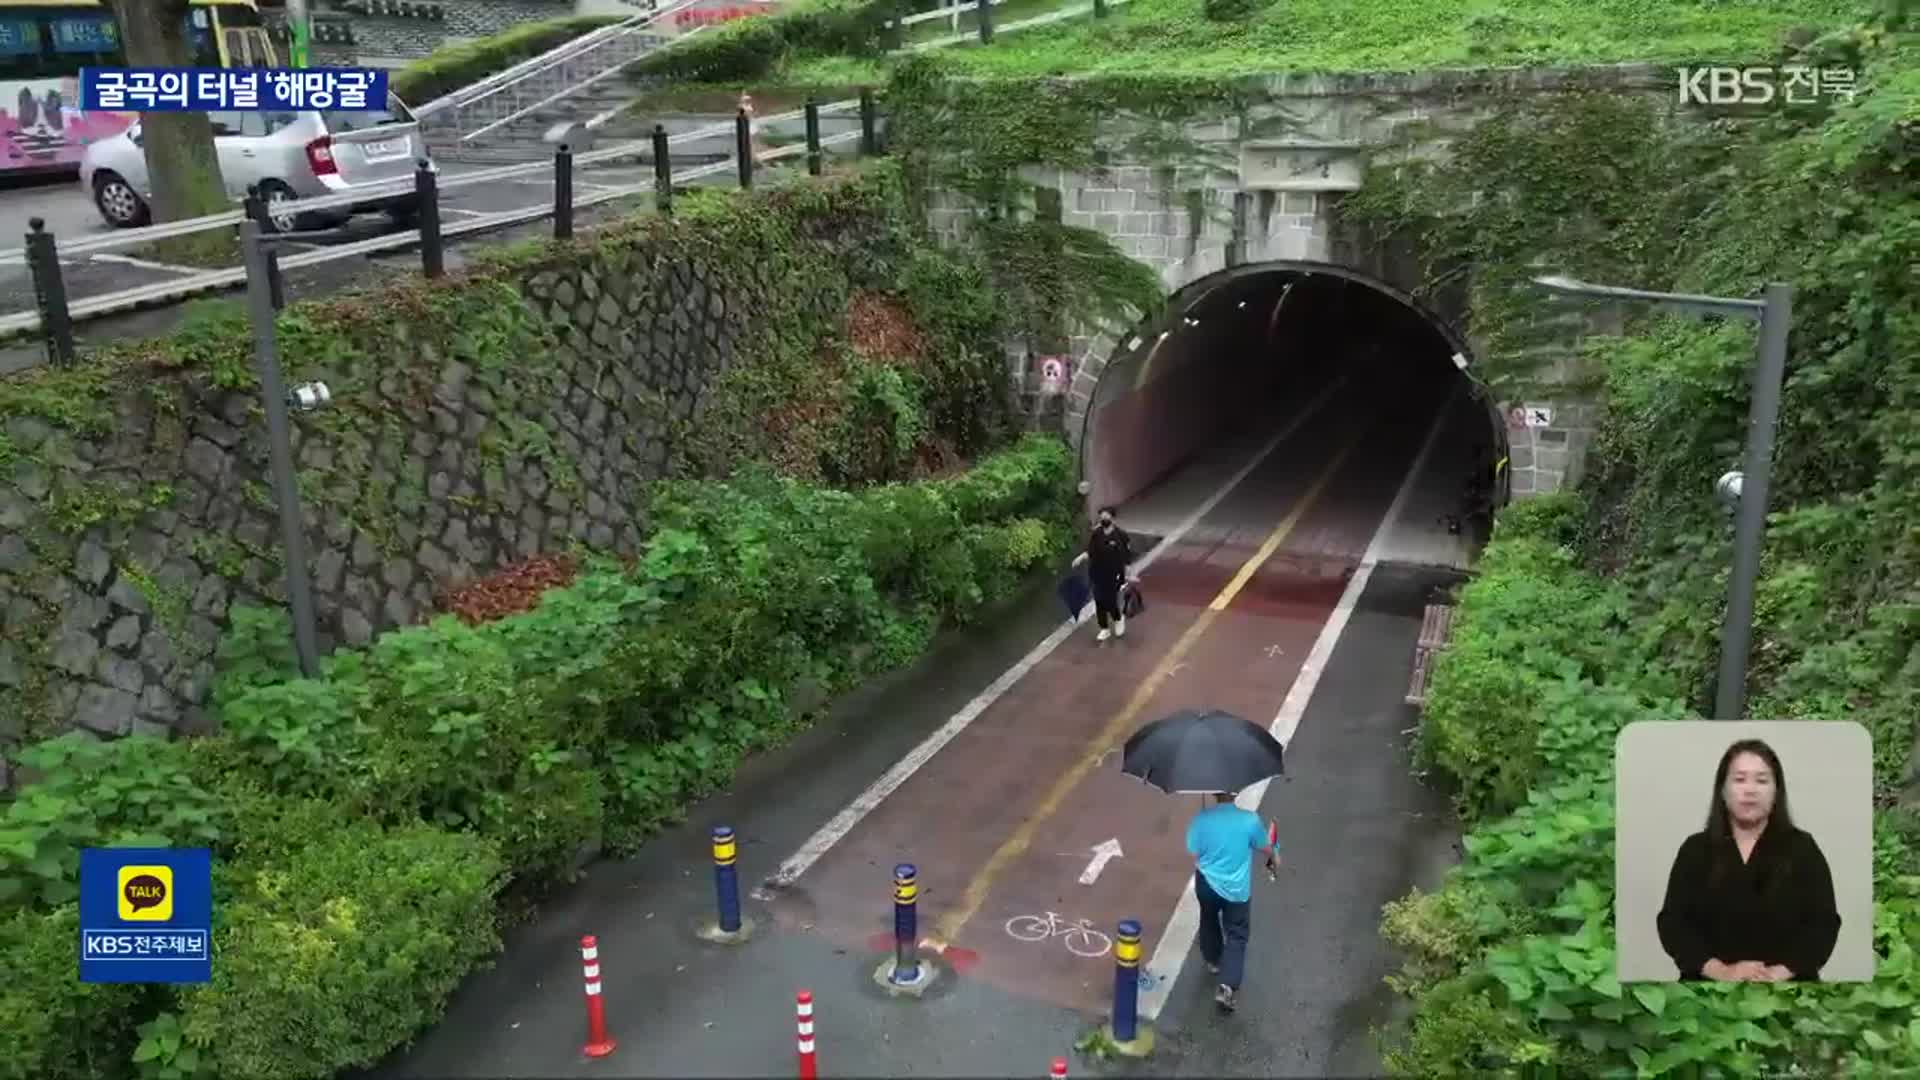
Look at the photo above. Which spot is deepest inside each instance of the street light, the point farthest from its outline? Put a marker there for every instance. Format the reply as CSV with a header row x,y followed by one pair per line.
x,y
1745,489
306,398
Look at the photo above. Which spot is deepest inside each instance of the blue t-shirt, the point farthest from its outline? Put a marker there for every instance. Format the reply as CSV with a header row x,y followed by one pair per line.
x,y
1223,838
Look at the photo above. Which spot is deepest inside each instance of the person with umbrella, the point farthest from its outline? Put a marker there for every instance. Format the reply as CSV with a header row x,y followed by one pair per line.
x,y
1215,753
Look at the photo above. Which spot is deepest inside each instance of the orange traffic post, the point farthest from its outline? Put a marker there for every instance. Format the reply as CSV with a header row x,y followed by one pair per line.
x,y
598,1044
809,1068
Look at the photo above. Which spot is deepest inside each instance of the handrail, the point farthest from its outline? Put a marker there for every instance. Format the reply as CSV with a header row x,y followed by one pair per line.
x,y
399,186
213,279
943,13
566,49
552,58
581,85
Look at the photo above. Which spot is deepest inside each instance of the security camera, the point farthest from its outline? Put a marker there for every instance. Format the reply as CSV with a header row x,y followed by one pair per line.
x,y
1727,488
308,397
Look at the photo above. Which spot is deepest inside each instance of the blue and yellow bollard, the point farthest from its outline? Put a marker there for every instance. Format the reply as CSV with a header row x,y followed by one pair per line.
x,y
906,933
1126,982
726,879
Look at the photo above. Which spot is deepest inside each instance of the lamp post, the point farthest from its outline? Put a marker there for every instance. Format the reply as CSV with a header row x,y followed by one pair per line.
x,y
307,397
1745,489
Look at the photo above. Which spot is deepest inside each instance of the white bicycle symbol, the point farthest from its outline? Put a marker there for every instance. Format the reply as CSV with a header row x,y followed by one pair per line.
x,y
1081,938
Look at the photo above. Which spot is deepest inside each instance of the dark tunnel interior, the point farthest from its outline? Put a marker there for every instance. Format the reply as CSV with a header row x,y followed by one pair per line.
x,y
1242,349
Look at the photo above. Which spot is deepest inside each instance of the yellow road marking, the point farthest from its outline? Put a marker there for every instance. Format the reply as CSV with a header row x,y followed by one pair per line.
x,y
1119,727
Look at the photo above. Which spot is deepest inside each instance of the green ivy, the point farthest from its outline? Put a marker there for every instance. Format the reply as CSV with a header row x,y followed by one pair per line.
x,y
1510,962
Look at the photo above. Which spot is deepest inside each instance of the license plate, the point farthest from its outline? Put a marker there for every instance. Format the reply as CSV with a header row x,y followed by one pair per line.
x,y
385,150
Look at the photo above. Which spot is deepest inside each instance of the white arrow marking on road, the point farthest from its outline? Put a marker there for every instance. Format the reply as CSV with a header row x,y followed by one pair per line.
x,y
1103,853
1273,651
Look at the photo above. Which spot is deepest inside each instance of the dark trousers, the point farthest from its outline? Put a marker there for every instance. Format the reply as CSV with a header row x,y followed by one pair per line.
x,y
1224,926
1106,596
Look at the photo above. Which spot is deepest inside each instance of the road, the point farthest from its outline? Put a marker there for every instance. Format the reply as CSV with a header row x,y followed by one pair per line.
x,y
992,767
68,213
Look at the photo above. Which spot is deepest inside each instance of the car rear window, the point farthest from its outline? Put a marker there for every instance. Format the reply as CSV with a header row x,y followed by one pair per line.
x,y
340,121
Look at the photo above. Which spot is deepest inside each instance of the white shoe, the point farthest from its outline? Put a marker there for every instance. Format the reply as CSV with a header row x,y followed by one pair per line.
x,y
1120,627
1103,635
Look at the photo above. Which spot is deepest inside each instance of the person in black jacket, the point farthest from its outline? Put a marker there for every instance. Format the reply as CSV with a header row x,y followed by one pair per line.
x,y
1109,554
1750,897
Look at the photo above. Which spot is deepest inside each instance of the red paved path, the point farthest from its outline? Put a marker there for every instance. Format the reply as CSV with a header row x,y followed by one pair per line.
x,y
986,790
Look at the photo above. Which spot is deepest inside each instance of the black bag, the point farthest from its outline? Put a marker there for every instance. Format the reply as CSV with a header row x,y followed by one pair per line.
x,y
1131,602
1074,591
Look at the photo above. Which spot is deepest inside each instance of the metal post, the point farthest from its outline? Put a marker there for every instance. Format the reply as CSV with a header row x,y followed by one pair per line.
x,y
50,292
1736,637
814,160
869,124
432,257
1126,981
743,146
985,10
292,536
662,170
562,193
906,935
726,879
276,281
1237,245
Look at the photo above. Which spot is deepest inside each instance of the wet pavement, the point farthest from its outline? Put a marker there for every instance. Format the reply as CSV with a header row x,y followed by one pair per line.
x,y
1002,820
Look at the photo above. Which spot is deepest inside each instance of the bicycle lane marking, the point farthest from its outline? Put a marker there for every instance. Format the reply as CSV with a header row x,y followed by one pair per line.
x,y
1162,970
950,817
1286,603
836,829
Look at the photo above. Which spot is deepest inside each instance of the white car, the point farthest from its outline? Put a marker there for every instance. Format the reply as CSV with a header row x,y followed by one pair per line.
x,y
291,155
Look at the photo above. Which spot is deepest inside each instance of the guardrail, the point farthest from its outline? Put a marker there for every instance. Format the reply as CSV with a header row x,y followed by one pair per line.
x,y
56,314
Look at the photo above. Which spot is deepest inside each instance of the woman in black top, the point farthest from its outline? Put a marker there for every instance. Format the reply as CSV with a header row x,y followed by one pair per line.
x,y
1749,898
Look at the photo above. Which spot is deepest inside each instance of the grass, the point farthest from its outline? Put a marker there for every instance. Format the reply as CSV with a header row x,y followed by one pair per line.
x,y
1172,37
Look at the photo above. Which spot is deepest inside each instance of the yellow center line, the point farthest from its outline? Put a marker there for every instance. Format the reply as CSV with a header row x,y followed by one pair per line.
x,y
1118,728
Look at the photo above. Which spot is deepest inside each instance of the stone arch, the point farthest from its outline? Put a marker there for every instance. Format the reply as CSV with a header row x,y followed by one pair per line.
x,y
1188,286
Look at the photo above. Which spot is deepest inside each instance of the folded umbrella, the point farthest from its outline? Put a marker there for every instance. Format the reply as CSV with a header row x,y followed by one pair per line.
x,y
1197,752
1074,591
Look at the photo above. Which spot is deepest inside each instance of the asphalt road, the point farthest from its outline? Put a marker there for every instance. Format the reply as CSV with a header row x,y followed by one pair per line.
x,y
69,213
996,819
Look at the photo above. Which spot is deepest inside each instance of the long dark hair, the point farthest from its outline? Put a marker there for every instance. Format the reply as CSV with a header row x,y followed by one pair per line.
x,y
1720,820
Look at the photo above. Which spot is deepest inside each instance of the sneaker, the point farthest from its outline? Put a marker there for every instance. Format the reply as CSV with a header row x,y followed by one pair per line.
x,y
1213,969
1224,997
1103,635
1120,627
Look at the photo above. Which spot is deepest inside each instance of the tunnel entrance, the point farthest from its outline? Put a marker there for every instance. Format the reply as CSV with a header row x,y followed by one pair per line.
x,y
1245,348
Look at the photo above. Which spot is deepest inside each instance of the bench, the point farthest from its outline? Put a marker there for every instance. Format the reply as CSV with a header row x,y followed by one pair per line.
x,y
1435,626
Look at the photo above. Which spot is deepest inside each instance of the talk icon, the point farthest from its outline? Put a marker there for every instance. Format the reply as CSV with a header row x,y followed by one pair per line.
x,y
146,893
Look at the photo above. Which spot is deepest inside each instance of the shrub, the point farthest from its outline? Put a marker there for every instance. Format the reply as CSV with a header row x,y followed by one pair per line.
x,y
334,951
451,67
1530,621
52,1025
1233,10
133,792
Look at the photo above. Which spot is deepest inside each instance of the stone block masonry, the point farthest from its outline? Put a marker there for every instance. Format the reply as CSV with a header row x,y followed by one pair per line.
x,y
452,448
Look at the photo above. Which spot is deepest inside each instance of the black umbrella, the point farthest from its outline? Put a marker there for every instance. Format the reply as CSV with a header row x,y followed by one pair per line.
x,y
1195,752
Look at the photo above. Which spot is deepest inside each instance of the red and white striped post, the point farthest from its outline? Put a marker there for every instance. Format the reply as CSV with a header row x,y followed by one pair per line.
x,y
1059,1069
809,1068
598,1044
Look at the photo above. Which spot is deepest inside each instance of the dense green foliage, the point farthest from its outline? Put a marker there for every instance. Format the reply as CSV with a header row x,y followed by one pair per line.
x,y
374,826
1511,962
749,49
1238,37
464,63
366,821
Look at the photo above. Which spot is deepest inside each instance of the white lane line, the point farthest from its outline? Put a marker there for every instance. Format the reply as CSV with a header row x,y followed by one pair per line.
x,y
1170,954
148,264
842,823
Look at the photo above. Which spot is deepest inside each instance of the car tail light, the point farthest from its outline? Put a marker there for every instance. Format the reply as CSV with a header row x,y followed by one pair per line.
x,y
320,156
